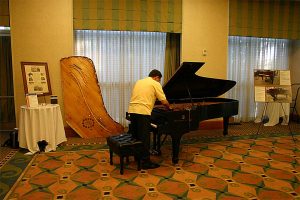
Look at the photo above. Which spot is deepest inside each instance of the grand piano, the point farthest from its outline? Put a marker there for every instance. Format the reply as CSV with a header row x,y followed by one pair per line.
x,y
194,98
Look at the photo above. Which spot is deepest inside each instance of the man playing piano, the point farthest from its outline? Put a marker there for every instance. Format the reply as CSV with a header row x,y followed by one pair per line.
x,y
144,95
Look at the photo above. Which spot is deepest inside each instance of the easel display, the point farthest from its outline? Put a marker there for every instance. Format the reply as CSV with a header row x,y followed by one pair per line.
x,y
273,86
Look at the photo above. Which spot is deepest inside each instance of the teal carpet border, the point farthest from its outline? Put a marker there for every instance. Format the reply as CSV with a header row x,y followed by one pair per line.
x,y
12,170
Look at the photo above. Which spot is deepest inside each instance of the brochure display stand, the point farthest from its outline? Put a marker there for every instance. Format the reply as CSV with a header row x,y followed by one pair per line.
x,y
272,86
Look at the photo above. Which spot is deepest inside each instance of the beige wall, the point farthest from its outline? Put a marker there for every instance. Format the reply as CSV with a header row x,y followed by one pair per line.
x,y
41,31
205,27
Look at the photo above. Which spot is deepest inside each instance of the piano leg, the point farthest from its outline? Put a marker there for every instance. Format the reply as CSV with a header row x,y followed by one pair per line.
x,y
175,147
158,145
154,145
225,125
156,142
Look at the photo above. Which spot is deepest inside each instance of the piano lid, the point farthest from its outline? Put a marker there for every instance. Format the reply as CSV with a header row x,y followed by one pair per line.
x,y
185,84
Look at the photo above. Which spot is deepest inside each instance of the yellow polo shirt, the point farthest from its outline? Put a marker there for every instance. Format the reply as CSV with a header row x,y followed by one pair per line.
x,y
144,95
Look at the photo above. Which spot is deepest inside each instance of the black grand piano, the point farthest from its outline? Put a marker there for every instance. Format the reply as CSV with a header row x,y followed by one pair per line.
x,y
194,99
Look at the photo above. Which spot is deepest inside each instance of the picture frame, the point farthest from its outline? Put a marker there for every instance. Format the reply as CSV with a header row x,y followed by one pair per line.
x,y
36,78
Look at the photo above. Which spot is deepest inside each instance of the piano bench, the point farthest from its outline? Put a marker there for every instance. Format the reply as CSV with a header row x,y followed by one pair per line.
x,y
125,145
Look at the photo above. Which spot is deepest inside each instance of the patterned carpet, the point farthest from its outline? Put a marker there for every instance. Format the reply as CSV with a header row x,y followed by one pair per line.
x,y
239,166
6,154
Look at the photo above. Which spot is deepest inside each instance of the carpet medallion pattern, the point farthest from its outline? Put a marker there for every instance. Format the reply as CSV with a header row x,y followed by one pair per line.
x,y
262,168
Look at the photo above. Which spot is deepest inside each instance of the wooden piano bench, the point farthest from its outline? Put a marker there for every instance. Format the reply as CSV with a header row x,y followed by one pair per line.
x,y
124,145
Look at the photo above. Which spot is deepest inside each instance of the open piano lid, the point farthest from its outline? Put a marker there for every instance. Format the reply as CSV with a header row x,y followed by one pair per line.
x,y
185,84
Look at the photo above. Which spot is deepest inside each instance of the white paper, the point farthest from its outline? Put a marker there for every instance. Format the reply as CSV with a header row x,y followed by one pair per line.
x,y
260,94
32,100
285,77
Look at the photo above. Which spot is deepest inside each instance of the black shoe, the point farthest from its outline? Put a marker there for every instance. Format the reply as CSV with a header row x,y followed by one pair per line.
x,y
149,165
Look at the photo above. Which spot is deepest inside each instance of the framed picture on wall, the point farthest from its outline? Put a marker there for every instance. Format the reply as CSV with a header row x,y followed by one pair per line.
x,y
36,78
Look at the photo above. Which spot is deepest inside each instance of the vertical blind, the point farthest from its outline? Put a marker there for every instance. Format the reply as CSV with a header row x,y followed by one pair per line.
x,y
128,15
4,13
120,59
265,18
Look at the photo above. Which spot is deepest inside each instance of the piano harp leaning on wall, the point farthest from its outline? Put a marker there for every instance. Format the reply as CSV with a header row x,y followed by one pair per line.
x,y
84,109
194,99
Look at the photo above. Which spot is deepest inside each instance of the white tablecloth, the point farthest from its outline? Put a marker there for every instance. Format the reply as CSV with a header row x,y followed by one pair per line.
x,y
273,111
41,123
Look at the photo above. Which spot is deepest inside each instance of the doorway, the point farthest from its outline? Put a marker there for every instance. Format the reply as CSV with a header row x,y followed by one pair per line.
x,y
7,106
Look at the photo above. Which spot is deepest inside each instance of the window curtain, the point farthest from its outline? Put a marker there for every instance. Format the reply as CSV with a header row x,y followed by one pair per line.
x,y
6,82
245,55
172,57
4,13
128,15
264,18
120,59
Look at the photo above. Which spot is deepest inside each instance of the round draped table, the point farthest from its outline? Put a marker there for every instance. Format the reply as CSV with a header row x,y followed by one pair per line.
x,y
273,111
41,123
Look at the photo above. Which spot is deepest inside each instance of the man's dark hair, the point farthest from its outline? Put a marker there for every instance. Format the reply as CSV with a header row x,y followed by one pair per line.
x,y
155,73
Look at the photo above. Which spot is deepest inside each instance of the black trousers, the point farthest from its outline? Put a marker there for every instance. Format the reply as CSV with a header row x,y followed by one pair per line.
x,y
140,129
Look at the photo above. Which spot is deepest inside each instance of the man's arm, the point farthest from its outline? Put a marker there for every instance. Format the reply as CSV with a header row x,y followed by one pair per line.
x,y
166,104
